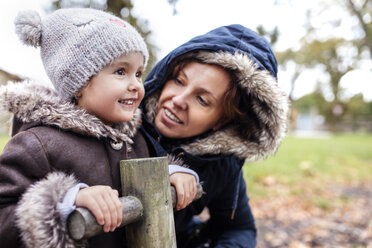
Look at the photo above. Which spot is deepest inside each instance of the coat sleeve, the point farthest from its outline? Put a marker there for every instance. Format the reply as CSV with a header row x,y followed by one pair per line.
x,y
29,193
239,231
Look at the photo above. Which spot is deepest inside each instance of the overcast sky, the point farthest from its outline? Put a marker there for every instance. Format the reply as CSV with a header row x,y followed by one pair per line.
x,y
194,17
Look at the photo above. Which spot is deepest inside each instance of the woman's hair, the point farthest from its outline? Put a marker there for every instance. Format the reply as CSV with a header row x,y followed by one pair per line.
x,y
236,104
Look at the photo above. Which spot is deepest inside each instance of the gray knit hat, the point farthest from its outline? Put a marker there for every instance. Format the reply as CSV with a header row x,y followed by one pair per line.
x,y
76,44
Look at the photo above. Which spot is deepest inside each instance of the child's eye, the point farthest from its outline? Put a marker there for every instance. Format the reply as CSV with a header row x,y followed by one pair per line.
x,y
139,74
121,71
202,101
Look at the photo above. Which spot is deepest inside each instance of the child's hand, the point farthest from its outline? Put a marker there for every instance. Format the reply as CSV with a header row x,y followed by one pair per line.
x,y
185,185
104,203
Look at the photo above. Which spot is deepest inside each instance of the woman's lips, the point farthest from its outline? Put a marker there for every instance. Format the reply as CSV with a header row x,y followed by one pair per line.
x,y
171,116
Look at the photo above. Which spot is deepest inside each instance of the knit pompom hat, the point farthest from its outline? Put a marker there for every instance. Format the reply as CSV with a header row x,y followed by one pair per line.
x,y
76,44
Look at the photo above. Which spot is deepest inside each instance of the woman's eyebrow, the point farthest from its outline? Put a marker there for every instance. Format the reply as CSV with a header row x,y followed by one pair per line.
x,y
209,93
201,89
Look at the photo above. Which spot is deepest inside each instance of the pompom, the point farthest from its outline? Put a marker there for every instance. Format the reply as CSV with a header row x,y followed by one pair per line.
x,y
28,27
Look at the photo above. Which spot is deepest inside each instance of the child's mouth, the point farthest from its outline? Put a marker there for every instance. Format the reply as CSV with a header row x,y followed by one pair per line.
x,y
126,101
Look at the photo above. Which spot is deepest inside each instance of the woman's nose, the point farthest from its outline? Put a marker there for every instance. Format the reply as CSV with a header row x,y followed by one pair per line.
x,y
180,101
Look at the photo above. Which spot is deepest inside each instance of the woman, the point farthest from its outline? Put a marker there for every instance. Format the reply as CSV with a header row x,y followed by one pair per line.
x,y
215,103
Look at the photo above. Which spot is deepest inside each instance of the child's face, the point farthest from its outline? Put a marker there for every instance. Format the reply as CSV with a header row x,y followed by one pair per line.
x,y
113,94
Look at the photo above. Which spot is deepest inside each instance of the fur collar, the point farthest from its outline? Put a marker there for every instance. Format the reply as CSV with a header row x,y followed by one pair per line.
x,y
270,105
32,102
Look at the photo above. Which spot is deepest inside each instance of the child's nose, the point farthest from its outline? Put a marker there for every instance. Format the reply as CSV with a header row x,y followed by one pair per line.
x,y
134,84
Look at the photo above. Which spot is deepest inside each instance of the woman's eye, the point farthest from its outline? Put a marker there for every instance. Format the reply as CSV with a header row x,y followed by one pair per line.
x,y
121,71
202,101
177,81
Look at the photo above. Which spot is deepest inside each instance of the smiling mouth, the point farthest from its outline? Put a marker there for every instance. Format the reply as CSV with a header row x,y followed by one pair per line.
x,y
126,101
172,116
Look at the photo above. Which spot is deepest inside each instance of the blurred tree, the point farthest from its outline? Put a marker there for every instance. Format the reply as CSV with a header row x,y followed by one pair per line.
x,y
271,35
120,8
332,56
173,3
285,58
288,59
356,106
309,101
336,55
369,106
358,113
329,55
362,9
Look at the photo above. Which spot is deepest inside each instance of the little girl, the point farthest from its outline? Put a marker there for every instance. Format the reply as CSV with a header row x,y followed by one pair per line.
x,y
74,136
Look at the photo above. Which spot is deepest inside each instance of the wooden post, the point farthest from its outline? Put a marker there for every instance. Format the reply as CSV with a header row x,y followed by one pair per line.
x,y
148,180
82,224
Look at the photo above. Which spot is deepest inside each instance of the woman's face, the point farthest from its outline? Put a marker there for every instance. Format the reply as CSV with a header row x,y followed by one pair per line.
x,y
191,103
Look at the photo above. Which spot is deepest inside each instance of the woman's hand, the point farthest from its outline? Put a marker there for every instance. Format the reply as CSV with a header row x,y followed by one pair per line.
x,y
185,185
104,203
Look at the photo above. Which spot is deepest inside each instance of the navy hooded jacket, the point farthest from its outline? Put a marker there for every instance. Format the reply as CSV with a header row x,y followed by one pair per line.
x,y
218,156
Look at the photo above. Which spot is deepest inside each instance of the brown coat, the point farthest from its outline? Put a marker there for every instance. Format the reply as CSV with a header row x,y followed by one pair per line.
x,y
59,146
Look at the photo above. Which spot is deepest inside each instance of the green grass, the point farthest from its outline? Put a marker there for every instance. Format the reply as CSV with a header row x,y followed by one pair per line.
x,y
304,164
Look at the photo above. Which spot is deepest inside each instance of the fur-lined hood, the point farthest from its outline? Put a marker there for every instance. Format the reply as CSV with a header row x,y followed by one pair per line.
x,y
249,56
31,102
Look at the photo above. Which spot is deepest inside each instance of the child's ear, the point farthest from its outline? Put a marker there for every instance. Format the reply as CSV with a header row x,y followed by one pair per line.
x,y
78,95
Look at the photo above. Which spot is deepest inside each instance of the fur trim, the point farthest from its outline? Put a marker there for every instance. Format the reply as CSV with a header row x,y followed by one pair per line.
x,y
176,160
37,215
32,102
271,106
